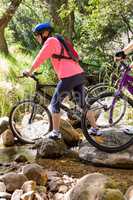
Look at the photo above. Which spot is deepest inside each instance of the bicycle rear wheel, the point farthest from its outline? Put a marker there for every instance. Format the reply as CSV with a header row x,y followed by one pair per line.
x,y
114,138
96,90
30,121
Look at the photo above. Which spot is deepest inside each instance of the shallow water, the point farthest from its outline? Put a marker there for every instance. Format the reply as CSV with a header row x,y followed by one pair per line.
x,y
8,154
69,164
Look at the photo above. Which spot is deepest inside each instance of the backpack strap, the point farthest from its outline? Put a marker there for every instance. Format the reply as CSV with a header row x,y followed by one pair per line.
x,y
64,45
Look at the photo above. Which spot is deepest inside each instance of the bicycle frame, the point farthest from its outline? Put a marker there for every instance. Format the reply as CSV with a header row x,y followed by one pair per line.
x,y
126,81
39,91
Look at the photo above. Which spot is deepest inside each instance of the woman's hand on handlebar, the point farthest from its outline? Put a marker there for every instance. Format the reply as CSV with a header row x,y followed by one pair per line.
x,y
119,56
27,73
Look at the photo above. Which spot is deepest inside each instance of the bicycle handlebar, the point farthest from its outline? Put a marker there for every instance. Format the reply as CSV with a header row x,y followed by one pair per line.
x,y
33,76
122,65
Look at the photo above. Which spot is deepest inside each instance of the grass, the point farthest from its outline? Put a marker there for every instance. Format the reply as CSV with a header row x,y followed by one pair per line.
x,y
13,89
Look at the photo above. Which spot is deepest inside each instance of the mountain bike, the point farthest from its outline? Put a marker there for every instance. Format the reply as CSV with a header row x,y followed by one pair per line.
x,y
31,119
114,113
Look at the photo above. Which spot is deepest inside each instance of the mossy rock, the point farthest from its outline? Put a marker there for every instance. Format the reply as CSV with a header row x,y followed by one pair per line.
x,y
112,184
112,194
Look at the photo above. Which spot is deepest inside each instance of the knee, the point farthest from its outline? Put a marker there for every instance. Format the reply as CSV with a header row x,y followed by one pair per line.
x,y
55,107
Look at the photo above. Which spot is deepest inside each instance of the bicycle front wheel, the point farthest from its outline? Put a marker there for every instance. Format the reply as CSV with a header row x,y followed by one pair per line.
x,y
30,121
113,138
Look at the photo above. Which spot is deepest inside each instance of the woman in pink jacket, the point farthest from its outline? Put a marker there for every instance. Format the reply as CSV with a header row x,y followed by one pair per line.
x,y
69,72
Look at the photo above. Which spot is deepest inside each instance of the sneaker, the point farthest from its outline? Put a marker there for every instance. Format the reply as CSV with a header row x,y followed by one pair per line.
x,y
95,132
55,135
128,131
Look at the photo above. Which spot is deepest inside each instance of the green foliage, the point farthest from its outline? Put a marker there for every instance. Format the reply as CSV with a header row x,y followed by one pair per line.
x,y
100,28
26,17
11,88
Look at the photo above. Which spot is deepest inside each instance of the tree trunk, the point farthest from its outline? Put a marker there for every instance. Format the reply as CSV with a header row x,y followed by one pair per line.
x,y
3,44
4,20
68,23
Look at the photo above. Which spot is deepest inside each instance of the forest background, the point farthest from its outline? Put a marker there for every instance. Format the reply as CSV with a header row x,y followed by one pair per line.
x,y
98,28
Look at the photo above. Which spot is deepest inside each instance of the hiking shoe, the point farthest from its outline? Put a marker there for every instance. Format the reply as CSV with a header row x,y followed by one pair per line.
x,y
128,131
94,132
55,135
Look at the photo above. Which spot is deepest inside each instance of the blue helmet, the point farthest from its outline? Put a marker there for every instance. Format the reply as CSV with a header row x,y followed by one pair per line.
x,y
39,28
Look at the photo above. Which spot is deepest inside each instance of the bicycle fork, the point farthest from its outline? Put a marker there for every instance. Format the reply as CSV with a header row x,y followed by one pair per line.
x,y
116,96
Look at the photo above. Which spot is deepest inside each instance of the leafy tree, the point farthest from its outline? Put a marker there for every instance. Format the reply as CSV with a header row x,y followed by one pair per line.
x,y
4,20
25,19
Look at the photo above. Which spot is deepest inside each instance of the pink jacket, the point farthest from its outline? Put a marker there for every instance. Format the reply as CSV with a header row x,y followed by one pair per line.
x,y
63,68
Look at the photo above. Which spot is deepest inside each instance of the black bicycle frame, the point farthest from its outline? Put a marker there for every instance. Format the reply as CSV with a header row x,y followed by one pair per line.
x,y
39,91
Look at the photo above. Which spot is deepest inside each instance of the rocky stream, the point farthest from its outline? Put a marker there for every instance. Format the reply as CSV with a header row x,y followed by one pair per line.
x,y
50,170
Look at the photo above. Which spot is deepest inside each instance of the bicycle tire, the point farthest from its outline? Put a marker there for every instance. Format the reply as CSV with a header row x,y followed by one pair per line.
x,y
93,140
13,116
95,90
99,88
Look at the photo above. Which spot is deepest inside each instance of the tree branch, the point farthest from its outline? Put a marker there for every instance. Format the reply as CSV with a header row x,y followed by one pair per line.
x,y
125,20
9,12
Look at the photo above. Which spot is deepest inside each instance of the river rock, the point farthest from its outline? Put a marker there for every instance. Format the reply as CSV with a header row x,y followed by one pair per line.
x,y
63,189
29,186
13,181
70,136
7,138
2,187
113,194
35,172
59,196
94,186
129,193
40,197
20,158
5,195
4,123
17,195
55,184
28,196
90,154
48,148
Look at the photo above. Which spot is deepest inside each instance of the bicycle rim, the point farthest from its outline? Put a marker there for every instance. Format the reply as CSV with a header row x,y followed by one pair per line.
x,y
97,89
30,121
113,138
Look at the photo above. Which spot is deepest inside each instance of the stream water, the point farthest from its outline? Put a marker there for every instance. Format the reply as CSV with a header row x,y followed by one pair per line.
x,y
68,164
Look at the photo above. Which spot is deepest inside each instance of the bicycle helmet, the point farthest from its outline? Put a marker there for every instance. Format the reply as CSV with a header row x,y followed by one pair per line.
x,y
39,28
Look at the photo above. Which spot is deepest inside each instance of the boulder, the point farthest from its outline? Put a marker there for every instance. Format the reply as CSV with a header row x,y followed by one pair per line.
x,y
4,123
112,194
7,138
35,172
70,136
94,187
48,148
90,154
13,181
